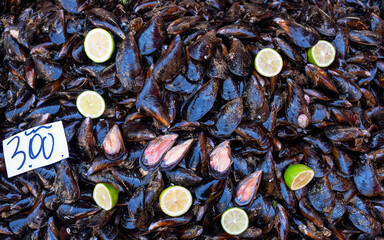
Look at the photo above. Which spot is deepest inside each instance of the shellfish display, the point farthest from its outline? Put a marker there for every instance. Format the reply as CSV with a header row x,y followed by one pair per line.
x,y
184,105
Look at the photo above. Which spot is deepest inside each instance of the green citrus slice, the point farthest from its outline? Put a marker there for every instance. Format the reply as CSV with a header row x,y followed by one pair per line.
x,y
175,201
90,104
105,195
268,62
234,221
99,45
298,176
322,54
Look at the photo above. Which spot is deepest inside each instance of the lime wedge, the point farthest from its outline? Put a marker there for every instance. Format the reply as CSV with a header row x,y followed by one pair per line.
x,y
99,45
298,176
268,62
90,104
105,195
322,54
175,200
234,221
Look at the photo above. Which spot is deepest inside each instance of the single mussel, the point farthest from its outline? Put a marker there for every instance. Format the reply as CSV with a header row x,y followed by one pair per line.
x,y
38,216
195,69
300,34
229,117
154,188
247,188
255,103
201,101
150,101
209,190
182,176
268,167
182,24
339,182
347,88
190,232
151,36
365,178
72,212
66,184
282,224
85,141
297,111
345,133
287,49
256,134
230,89
220,160
128,65
130,180
203,48
320,78
239,59
363,221
101,162
321,196
238,31
170,222
104,19
135,132
310,213
181,85
47,69
176,154
171,62
315,161
217,66
113,144
137,209
13,49
365,37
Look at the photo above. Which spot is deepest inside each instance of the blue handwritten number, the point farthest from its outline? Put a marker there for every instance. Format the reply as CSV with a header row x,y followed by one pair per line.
x,y
53,144
32,155
18,152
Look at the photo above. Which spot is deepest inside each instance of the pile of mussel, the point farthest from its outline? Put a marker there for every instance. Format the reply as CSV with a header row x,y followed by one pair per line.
x,y
185,106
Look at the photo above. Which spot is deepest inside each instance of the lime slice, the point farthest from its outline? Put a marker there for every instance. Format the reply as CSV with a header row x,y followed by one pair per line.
x,y
322,54
175,200
268,62
90,104
105,195
99,45
234,221
298,176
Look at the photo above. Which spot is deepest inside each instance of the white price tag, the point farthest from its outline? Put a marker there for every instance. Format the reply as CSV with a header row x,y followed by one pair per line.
x,y
36,147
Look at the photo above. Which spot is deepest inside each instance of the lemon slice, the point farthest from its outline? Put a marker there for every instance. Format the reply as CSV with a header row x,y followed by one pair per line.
x,y
175,200
268,62
90,104
322,54
234,221
298,176
105,195
99,45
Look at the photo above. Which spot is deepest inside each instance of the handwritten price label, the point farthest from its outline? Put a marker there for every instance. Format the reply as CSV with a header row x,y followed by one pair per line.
x,y
36,147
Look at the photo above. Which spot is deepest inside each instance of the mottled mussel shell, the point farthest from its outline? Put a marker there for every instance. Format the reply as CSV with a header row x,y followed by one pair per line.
x,y
184,105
